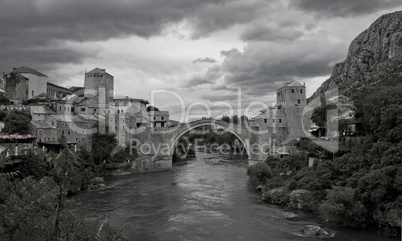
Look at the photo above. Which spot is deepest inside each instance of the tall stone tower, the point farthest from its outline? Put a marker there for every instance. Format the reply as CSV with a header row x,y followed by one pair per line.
x,y
292,98
99,89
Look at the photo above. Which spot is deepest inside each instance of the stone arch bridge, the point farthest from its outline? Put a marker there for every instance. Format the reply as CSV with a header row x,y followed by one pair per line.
x,y
156,146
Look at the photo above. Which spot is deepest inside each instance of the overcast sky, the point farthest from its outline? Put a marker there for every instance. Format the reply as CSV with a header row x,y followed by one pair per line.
x,y
203,50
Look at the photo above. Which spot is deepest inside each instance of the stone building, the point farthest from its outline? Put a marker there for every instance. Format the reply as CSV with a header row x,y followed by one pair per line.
x,y
57,92
16,87
283,123
158,118
24,83
37,81
99,89
74,117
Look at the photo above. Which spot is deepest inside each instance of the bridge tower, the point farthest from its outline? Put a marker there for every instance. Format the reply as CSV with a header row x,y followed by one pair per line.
x,y
292,98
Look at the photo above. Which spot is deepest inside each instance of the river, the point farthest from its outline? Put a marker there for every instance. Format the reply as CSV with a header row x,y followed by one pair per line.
x,y
204,198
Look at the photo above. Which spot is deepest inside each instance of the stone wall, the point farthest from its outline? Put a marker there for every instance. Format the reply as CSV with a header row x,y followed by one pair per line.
x,y
16,87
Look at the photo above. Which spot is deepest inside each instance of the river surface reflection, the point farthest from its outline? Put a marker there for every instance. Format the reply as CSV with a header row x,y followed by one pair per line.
x,y
204,198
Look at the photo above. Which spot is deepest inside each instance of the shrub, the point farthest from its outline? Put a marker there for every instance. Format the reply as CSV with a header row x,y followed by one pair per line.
x,y
259,172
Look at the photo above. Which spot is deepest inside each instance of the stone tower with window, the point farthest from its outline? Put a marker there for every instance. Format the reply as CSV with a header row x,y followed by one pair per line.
x,y
292,98
99,89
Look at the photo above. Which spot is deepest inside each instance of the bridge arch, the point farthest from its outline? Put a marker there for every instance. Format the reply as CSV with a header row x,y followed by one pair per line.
x,y
190,126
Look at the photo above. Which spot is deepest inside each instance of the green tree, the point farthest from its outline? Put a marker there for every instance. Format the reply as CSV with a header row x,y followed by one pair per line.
x,y
17,122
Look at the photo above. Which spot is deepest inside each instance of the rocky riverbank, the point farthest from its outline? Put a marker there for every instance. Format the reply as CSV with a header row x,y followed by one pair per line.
x,y
388,222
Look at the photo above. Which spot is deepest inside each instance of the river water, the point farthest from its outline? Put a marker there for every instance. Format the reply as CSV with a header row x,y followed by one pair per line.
x,y
204,198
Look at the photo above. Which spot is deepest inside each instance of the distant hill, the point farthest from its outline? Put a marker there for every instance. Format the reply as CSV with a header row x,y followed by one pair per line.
x,y
374,57
174,123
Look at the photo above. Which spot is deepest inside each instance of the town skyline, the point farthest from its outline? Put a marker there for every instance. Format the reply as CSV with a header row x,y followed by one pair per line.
x,y
203,51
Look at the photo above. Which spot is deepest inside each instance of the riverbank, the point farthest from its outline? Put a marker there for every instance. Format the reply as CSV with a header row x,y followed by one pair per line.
x,y
305,189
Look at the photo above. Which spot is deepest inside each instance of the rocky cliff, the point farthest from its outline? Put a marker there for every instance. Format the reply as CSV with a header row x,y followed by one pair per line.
x,y
372,55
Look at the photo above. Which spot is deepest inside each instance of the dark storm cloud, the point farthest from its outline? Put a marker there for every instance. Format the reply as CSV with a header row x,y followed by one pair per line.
x,y
37,24
211,75
204,60
344,7
230,53
264,66
266,33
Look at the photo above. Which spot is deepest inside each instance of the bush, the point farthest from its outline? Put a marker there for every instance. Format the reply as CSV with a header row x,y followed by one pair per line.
x,y
259,172
341,208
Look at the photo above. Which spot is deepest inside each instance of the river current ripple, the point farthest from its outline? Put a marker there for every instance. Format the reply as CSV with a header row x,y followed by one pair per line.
x,y
204,198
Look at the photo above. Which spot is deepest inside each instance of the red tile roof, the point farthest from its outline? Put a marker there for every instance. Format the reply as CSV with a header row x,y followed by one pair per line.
x,y
24,69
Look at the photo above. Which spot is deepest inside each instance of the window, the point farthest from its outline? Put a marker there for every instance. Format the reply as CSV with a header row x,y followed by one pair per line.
x,y
162,118
301,91
273,120
62,132
59,108
298,101
265,120
69,132
293,90
82,109
154,118
163,124
33,93
280,120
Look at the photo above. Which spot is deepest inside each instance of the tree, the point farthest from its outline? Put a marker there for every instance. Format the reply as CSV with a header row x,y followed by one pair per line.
x,y
342,208
225,118
243,119
319,116
2,115
102,146
17,122
235,119
152,108
4,100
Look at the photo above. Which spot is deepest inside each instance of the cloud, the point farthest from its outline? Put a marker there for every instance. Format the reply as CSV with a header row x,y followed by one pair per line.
x,y
230,53
204,60
344,8
34,25
264,66
258,32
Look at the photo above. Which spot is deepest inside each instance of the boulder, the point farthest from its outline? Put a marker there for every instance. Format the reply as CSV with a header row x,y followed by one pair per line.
x,y
275,196
297,199
314,231
96,183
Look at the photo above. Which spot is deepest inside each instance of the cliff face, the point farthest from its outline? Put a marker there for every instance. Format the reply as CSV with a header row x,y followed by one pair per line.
x,y
373,53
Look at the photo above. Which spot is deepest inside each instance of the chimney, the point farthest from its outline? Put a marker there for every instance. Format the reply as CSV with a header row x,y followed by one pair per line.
x,y
304,84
